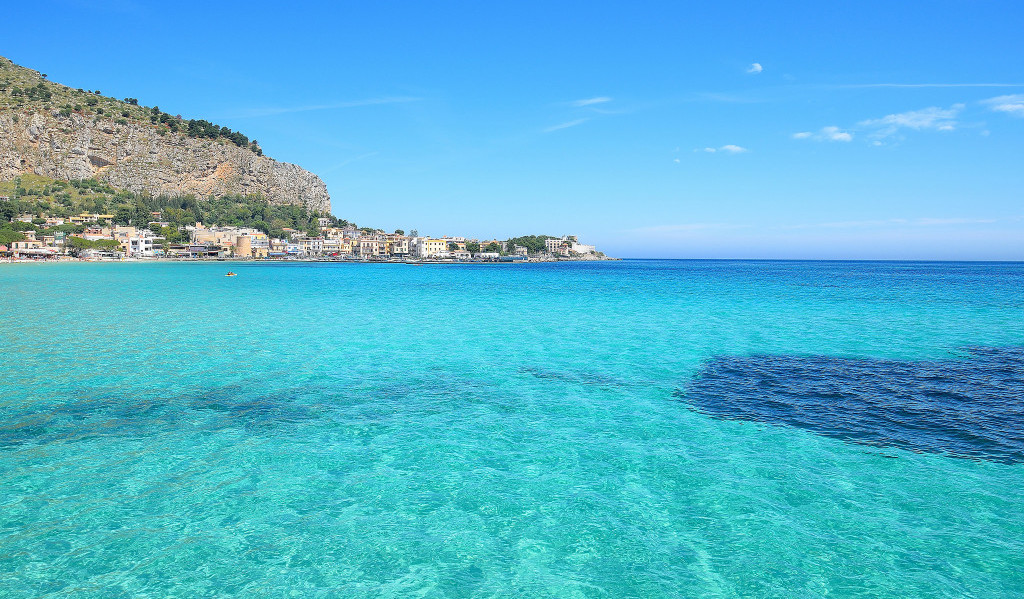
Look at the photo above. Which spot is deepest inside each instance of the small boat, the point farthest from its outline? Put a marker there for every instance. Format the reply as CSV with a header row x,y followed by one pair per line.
x,y
231,274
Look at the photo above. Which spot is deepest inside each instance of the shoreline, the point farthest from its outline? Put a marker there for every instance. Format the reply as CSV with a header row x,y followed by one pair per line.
x,y
414,262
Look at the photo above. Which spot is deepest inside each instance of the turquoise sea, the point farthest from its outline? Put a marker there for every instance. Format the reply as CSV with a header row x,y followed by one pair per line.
x,y
617,429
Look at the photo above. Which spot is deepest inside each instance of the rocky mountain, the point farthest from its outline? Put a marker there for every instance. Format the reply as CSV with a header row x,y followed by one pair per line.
x,y
55,131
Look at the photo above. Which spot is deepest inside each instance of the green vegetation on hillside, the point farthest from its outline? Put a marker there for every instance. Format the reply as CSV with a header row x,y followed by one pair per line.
x,y
533,243
23,91
35,195
8,235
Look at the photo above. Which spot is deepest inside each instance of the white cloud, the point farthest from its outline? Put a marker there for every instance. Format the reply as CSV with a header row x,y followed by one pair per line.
x,y
727,148
272,111
925,85
1012,104
688,228
825,134
755,68
896,222
565,125
591,101
932,118
926,119
930,222
834,134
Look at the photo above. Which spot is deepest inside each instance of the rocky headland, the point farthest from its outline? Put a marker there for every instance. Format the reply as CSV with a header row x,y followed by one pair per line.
x,y
55,131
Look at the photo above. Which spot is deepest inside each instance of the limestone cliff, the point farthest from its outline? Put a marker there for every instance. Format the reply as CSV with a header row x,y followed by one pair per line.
x,y
80,140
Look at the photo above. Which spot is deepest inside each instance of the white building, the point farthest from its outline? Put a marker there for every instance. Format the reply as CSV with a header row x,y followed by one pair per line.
x,y
312,246
567,244
141,246
553,245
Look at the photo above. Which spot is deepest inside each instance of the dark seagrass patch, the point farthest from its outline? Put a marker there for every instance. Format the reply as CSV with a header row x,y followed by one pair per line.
x,y
969,408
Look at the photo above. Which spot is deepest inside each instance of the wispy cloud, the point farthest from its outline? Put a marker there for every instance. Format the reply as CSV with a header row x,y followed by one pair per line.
x,y
895,222
273,111
688,228
1012,104
938,222
565,125
725,98
825,134
590,101
755,68
727,148
919,85
932,118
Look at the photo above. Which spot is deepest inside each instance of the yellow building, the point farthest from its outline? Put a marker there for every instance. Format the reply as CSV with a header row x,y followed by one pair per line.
x,y
86,217
433,247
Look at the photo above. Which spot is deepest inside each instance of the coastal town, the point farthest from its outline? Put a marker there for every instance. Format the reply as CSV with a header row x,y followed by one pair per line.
x,y
97,237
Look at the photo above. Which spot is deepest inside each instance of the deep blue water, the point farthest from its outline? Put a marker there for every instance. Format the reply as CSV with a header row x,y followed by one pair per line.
x,y
621,429
972,407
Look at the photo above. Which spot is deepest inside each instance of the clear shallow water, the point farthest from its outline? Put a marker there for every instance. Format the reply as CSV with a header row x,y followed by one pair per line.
x,y
474,431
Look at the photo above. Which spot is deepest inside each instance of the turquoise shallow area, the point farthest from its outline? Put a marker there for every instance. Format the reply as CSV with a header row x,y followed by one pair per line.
x,y
361,430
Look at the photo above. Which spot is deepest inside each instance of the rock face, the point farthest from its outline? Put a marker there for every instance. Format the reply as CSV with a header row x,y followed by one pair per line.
x,y
137,158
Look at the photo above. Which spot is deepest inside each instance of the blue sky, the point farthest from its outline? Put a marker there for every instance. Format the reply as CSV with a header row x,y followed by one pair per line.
x,y
653,129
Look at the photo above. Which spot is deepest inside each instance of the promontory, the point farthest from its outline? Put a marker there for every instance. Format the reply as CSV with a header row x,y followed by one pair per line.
x,y
63,133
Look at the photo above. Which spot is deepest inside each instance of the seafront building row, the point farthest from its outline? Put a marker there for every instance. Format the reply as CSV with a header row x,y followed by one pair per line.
x,y
248,243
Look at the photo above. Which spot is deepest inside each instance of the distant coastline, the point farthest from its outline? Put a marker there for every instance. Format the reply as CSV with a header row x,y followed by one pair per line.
x,y
234,260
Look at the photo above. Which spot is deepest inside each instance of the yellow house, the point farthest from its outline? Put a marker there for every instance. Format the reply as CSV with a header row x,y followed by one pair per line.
x,y
432,247
86,217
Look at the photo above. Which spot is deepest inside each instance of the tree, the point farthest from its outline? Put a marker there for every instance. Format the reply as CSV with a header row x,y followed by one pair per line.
x,y
6,212
399,232
9,236
492,247
533,243
123,216
452,246
76,245
414,233
472,246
